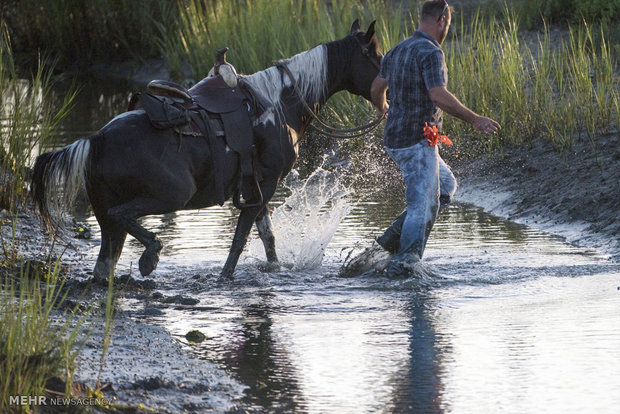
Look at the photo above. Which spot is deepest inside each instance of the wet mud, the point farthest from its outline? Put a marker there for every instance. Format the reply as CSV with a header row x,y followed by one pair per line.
x,y
574,193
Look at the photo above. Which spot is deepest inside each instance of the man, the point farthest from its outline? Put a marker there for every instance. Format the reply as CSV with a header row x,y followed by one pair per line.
x,y
416,74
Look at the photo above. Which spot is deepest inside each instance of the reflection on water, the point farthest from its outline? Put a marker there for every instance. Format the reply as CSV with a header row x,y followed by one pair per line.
x,y
93,106
517,322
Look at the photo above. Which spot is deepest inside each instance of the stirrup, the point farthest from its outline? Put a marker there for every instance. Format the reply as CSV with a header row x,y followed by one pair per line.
x,y
247,204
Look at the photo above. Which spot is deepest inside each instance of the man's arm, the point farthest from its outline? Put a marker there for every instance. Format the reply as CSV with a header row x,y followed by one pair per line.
x,y
445,100
378,95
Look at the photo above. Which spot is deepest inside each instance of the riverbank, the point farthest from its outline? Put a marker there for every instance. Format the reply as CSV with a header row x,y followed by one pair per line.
x,y
574,193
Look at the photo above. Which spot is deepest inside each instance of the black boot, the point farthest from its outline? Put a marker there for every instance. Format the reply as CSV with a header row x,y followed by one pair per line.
x,y
403,264
390,239
444,202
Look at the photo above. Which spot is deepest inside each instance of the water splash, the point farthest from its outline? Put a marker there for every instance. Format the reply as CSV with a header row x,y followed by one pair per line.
x,y
307,220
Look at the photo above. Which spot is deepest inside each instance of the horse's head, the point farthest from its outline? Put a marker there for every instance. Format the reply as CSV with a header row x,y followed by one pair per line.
x,y
365,60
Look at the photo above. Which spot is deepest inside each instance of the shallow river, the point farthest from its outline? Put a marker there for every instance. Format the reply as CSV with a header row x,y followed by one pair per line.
x,y
513,320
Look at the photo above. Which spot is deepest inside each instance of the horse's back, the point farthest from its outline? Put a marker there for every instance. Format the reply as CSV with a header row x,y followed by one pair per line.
x,y
138,160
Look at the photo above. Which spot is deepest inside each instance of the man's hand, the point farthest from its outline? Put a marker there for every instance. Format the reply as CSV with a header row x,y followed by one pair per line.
x,y
444,99
383,110
378,91
486,125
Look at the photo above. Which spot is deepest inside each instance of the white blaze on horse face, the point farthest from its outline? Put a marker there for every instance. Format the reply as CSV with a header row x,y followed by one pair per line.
x,y
310,71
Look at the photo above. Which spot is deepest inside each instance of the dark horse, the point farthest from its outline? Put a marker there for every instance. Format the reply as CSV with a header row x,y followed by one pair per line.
x,y
131,169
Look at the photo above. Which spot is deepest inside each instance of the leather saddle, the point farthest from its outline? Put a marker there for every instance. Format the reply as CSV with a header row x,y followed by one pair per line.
x,y
218,110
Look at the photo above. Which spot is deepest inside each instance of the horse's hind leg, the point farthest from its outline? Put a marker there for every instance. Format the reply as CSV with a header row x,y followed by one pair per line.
x,y
125,217
112,241
265,231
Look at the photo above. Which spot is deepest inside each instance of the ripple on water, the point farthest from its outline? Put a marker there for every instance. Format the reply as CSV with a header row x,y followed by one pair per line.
x,y
509,319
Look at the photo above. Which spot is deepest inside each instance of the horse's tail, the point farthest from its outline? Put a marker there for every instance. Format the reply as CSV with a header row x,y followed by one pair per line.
x,y
57,178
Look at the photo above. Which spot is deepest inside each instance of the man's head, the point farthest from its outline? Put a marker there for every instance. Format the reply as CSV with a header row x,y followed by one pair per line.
x,y
435,19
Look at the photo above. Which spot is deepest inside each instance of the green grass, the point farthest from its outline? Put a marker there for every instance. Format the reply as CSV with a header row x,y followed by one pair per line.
x,y
556,91
80,32
260,32
38,340
26,121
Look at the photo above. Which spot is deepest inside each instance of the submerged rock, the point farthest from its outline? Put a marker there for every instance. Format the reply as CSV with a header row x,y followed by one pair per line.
x,y
195,336
176,299
152,383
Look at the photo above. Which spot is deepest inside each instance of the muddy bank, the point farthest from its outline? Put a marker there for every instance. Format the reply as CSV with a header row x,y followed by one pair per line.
x,y
147,366
575,193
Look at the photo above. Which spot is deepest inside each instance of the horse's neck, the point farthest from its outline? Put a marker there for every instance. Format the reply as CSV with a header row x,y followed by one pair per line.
x,y
318,73
320,78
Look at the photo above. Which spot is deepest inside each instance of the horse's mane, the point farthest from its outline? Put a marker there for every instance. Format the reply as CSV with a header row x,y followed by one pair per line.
x,y
310,71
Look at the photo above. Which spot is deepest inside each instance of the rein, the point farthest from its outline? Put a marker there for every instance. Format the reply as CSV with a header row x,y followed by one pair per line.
x,y
325,129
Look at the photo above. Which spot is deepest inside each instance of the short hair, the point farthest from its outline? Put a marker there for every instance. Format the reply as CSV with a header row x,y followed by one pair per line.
x,y
433,9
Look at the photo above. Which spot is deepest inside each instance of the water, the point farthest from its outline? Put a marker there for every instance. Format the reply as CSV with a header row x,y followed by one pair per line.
x,y
515,320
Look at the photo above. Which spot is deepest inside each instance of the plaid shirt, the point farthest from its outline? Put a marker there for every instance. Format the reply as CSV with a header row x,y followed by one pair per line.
x,y
412,68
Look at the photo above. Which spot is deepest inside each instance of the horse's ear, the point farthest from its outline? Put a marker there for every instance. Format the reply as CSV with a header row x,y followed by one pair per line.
x,y
371,31
355,27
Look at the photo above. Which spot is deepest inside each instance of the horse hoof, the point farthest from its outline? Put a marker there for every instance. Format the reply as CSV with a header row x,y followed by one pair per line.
x,y
100,280
269,267
150,258
226,277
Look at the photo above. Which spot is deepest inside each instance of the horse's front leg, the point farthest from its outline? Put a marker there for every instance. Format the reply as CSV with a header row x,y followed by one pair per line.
x,y
265,231
244,225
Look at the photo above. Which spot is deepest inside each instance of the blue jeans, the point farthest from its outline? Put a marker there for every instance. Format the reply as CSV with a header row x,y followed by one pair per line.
x,y
427,177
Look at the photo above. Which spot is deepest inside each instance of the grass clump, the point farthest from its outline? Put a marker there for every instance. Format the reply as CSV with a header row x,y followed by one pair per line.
x,y
26,120
258,32
557,91
36,344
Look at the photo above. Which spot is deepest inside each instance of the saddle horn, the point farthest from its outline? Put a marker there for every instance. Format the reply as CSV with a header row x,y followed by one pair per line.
x,y
223,68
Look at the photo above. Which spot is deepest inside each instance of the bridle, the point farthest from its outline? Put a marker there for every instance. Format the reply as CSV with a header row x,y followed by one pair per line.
x,y
325,129
366,54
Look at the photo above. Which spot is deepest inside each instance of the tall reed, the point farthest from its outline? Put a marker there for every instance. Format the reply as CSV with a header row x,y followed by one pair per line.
x,y
37,340
26,121
536,91
258,32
